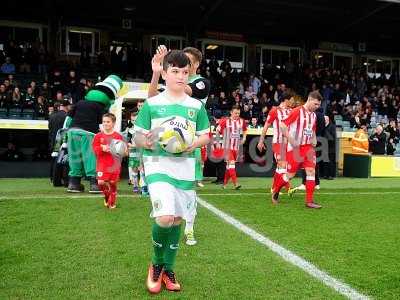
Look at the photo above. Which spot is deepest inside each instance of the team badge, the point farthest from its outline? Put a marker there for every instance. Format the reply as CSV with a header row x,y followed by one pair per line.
x,y
162,110
191,113
99,174
200,85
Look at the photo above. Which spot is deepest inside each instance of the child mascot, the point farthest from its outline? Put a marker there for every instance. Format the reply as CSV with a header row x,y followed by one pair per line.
x,y
83,122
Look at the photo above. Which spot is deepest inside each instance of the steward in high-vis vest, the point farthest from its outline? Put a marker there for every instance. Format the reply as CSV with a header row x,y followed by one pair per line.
x,y
360,141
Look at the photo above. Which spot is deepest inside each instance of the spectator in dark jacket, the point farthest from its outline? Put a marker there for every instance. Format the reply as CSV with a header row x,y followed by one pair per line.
x,y
377,142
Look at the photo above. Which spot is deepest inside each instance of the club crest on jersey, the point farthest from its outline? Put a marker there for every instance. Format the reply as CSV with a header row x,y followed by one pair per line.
x,y
191,113
200,85
161,110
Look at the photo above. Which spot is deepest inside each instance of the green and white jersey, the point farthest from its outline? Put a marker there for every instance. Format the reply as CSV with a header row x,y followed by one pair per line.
x,y
161,166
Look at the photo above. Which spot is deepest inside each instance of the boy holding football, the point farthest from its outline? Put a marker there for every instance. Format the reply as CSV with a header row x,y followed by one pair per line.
x,y
170,177
108,162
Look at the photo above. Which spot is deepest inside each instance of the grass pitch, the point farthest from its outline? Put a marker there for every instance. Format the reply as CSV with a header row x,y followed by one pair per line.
x,y
55,245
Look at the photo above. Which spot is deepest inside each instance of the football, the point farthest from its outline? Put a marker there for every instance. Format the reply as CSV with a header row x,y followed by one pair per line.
x,y
118,148
176,135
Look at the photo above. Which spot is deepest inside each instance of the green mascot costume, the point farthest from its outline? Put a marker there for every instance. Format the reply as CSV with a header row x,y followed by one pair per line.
x,y
83,122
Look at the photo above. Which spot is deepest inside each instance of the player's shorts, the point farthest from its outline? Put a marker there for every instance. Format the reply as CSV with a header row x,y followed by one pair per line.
x,y
168,200
279,151
301,157
107,176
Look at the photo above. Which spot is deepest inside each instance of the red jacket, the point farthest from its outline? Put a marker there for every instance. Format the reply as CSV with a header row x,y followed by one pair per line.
x,y
105,161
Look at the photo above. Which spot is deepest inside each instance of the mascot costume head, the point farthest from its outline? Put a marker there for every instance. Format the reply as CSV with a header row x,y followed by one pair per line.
x,y
83,122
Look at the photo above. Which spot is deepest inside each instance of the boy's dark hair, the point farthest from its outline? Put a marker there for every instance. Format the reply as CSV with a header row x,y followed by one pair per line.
x,y
111,116
235,107
176,58
196,53
133,113
315,95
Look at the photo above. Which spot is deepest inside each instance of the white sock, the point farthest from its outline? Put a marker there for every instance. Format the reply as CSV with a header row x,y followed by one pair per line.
x,y
189,226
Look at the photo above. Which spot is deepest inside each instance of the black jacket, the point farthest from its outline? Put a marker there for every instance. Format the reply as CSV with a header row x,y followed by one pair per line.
x,y
87,115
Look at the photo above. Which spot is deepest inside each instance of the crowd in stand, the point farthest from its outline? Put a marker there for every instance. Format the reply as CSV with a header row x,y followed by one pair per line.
x,y
350,97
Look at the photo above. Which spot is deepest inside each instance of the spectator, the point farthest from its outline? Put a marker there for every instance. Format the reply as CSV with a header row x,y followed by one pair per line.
x,y
45,92
16,98
255,83
42,60
12,153
213,66
5,98
8,67
56,121
377,142
254,123
56,82
72,86
26,57
41,108
329,167
29,99
245,113
226,66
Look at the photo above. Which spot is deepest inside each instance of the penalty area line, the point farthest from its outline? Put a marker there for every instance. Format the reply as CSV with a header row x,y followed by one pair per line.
x,y
287,255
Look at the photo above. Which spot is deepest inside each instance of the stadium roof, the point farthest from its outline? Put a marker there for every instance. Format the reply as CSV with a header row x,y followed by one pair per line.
x,y
334,20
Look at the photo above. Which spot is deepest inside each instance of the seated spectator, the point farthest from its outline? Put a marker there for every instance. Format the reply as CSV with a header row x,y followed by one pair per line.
x,y
25,60
34,88
45,91
41,108
29,99
12,153
16,98
377,141
5,97
245,113
7,84
254,123
394,133
8,67
50,110
56,82
12,81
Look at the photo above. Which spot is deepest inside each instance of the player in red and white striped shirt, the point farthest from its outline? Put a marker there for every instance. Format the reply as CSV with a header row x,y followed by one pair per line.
x,y
279,142
233,130
299,128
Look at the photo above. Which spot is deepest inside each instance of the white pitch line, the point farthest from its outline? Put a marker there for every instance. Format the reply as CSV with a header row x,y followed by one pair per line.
x,y
287,255
79,196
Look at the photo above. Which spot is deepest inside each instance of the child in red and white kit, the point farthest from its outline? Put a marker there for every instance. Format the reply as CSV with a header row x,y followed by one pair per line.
x,y
108,166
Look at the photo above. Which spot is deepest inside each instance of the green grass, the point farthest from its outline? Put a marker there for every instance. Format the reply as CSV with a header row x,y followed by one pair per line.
x,y
54,246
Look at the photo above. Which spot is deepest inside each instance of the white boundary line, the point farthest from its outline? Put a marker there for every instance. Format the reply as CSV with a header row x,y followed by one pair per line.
x,y
287,255
267,194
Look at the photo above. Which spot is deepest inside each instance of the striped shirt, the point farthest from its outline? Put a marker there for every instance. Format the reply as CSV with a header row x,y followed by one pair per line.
x,y
302,126
232,131
275,117
159,165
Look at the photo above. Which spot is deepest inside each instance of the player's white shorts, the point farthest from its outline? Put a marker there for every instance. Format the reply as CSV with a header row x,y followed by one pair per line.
x,y
168,200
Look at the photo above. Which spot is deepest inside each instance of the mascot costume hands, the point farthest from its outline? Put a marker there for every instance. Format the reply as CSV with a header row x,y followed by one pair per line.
x,y
83,122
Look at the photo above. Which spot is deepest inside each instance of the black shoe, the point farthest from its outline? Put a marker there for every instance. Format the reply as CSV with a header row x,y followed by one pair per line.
x,y
238,187
94,188
75,186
